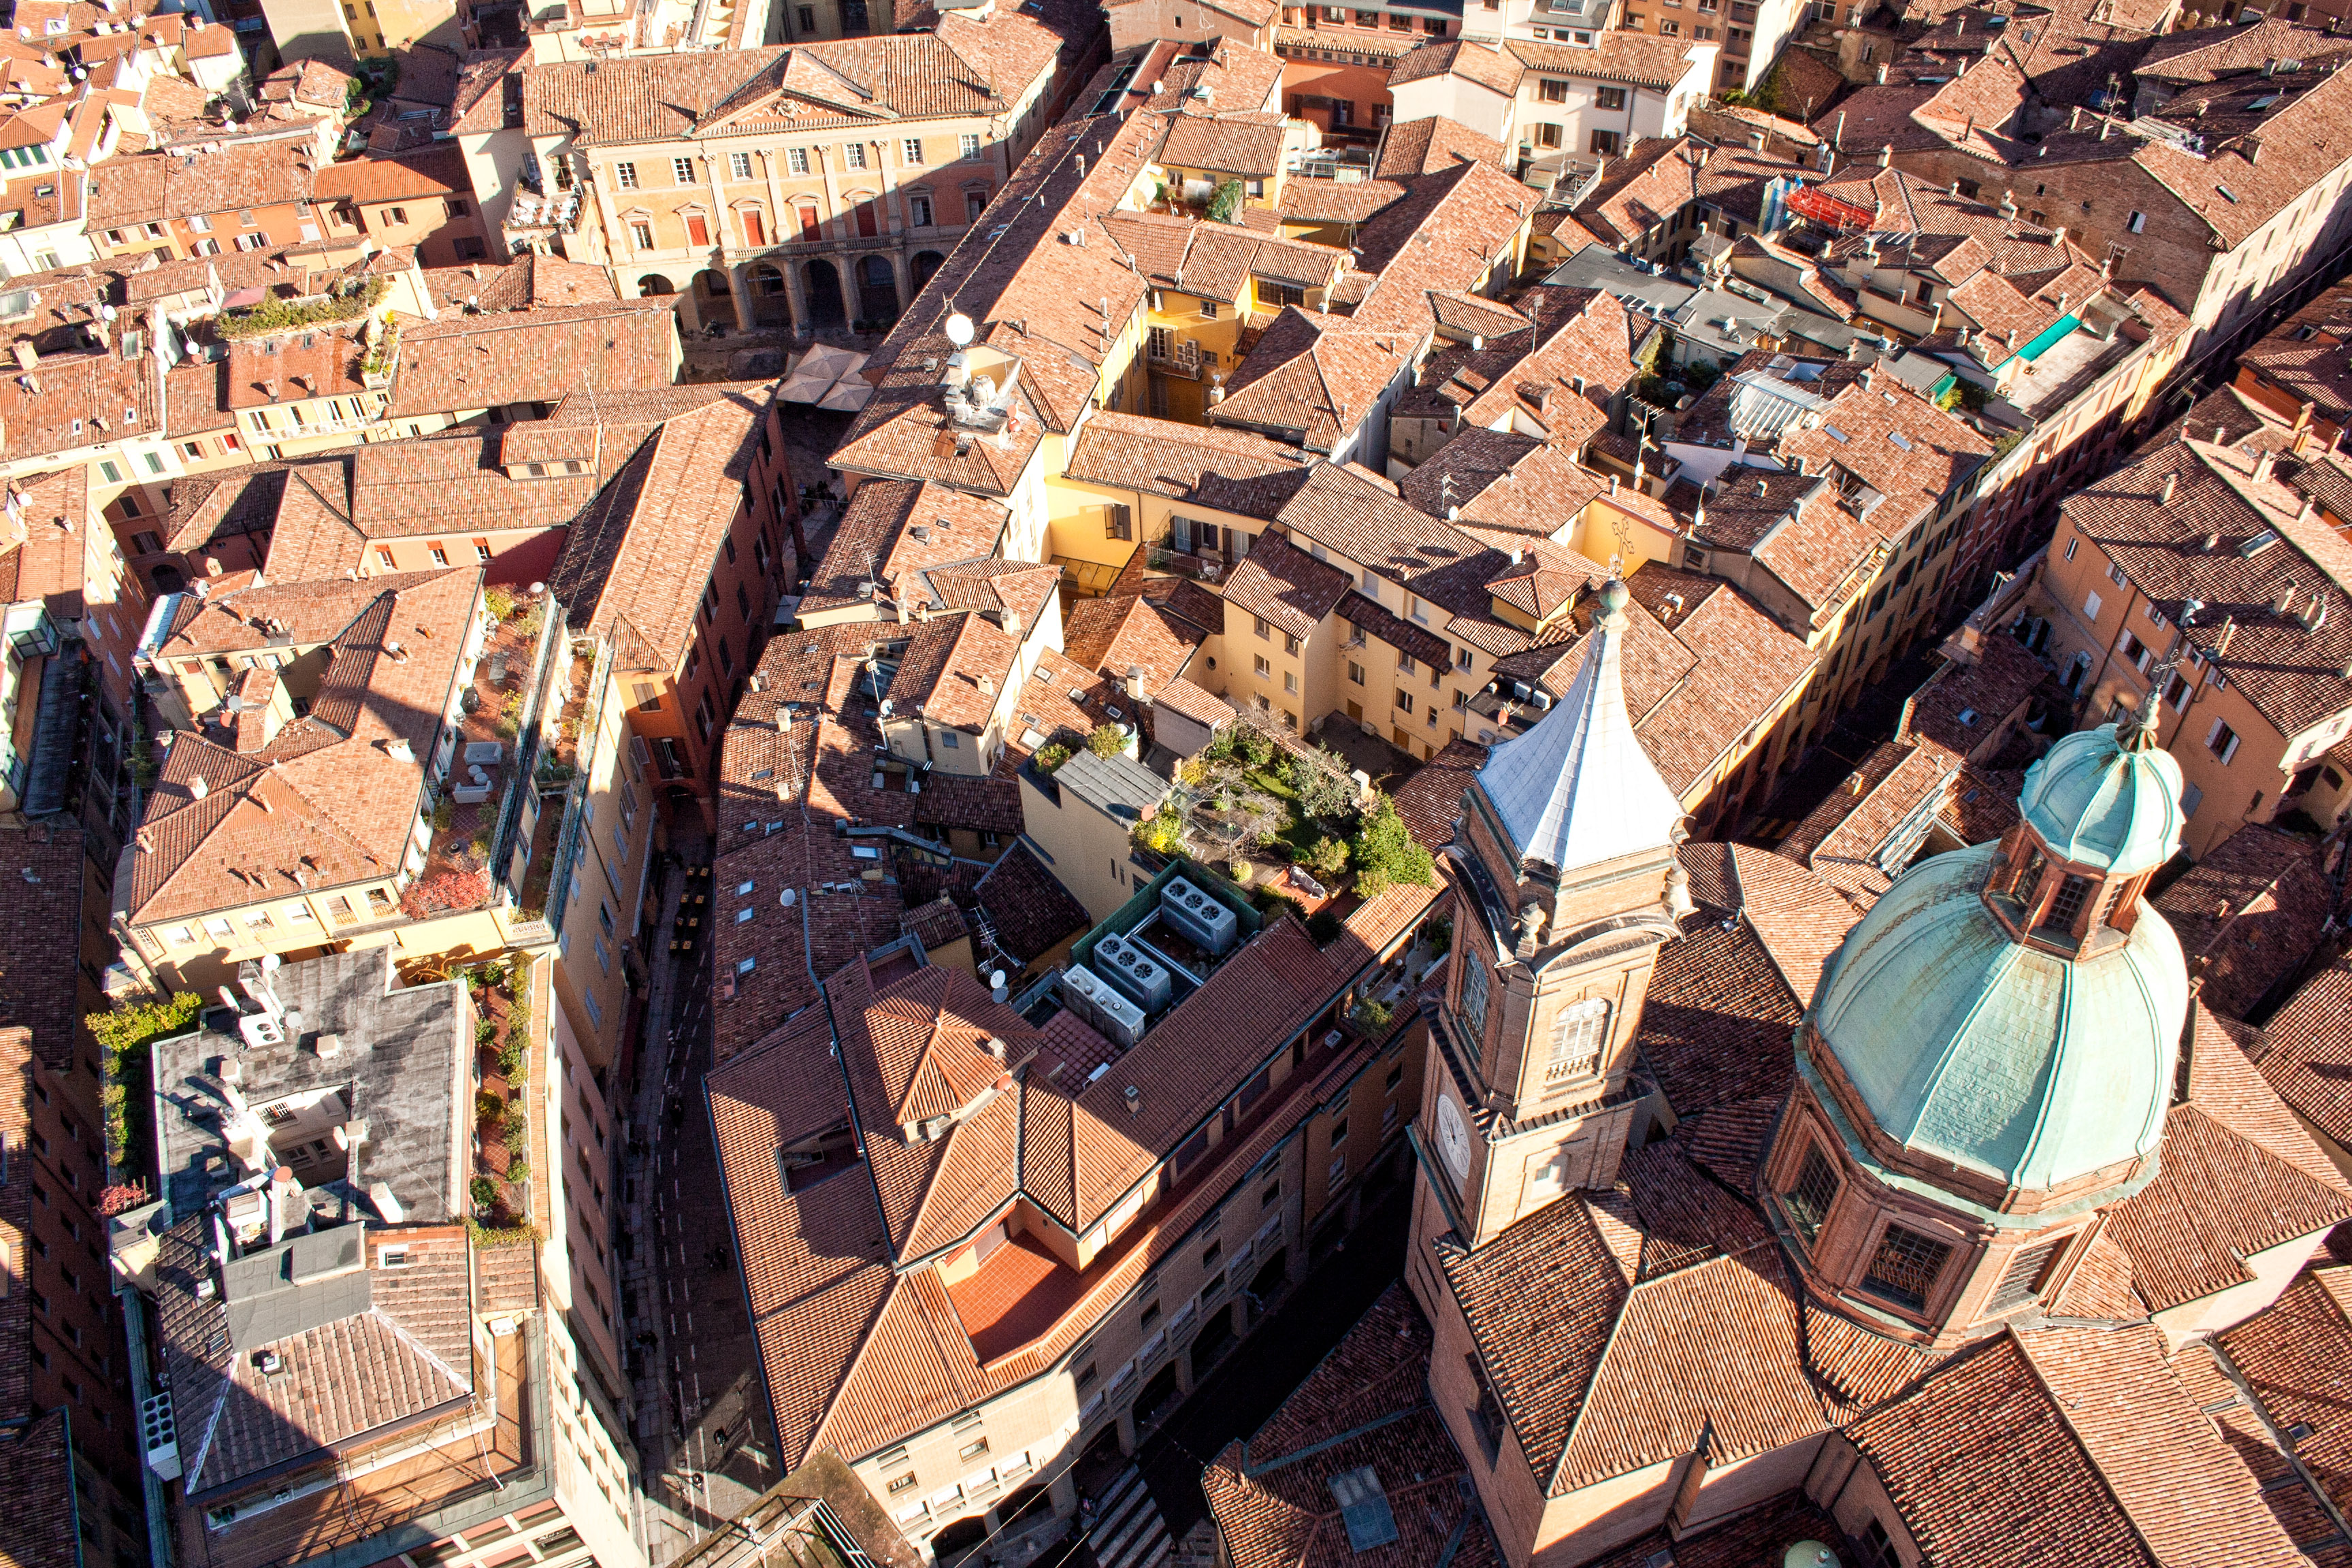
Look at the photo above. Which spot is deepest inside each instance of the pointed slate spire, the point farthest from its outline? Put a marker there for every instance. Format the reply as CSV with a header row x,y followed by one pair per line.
x,y
1578,789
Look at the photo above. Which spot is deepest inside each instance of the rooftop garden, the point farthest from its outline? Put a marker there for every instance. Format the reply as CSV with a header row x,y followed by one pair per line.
x,y
347,301
458,874
1290,823
499,1193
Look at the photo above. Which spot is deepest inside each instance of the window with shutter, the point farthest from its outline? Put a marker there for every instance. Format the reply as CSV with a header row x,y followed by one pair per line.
x,y
2023,1279
1577,1039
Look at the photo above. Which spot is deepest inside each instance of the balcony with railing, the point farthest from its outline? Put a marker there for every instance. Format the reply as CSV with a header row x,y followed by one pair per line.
x,y
559,806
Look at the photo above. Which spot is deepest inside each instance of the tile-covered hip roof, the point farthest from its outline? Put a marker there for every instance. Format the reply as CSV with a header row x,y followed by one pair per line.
x,y
539,355
643,552
2292,673
327,803
1281,584
1183,462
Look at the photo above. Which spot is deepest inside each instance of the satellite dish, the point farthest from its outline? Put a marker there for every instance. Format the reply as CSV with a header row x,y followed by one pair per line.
x,y
959,330
786,897
997,978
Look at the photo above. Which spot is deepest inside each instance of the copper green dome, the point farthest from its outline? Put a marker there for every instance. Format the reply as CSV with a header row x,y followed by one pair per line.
x,y
2027,1065
2106,801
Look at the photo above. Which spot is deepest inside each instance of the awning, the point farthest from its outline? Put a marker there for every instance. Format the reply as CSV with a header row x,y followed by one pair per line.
x,y
2042,345
818,369
242,298
849,393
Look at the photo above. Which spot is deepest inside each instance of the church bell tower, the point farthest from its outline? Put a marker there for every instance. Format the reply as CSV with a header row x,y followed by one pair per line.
x,y
1567,887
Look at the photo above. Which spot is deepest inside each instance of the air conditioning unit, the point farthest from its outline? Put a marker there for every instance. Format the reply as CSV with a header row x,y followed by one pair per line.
x,y
1095,1000
1205,921
1142,978
160,1434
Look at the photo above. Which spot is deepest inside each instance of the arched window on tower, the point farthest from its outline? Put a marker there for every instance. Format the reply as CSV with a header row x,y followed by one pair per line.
x,y
1473,998
1577,1039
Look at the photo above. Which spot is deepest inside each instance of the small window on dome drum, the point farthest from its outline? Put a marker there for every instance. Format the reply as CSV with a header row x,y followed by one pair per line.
x,y
1905,1270
1809,1201
2073,893
2024,1278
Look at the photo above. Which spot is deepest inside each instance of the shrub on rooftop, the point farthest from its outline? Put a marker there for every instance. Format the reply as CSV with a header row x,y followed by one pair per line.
x,y
1386,854
347,304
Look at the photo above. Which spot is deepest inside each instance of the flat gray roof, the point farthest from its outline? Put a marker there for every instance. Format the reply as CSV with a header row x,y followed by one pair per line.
x,y
399,1067
1116,785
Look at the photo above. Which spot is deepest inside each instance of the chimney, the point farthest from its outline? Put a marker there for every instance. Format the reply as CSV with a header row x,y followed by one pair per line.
x,y
1886,153
1881,76
1138,683
197,787
2171,482
2263,468
1134,1099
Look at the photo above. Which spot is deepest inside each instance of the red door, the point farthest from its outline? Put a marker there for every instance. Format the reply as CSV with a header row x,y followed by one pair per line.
x,y
808,223
755,229
697,229
865,220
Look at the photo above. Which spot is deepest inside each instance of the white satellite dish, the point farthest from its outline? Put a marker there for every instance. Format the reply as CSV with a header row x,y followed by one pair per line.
x,y
959,330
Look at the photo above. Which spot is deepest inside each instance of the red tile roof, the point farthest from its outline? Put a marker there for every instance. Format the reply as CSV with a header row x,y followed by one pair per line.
x,y
327,803
2248,915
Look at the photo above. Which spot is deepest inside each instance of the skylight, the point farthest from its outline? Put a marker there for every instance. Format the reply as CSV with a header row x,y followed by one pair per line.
x,y
2258,544
2228,195
1364,1508
1834,434
1899,439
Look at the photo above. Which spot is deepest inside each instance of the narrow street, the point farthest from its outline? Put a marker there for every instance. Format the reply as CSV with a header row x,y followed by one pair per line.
x,y
1237,1397
701,1415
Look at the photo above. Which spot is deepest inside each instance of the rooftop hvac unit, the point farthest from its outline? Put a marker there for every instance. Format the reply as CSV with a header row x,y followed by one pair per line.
x,y
160,1434
1094,999
1205,921
1143,978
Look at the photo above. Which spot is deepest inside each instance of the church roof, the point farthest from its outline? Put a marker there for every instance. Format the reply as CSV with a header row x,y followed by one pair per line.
x,y
2096,801
2028,1065
1578,789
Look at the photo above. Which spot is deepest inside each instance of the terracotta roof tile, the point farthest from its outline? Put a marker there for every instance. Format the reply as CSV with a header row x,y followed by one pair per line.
x,y
2293,1358
463,361
2307,1051
1425,146
2248,915
326,803
1230,469
2293,674
1279,583
2238,1175
1492,69
2188,1496
2029,1495
1365,1404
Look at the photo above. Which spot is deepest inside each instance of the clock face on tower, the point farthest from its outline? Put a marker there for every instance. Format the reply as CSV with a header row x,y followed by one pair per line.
x,y
1453,1136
